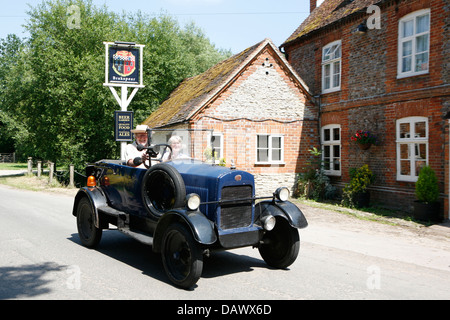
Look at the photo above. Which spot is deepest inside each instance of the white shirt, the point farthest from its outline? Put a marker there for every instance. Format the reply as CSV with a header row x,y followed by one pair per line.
x,y
132,152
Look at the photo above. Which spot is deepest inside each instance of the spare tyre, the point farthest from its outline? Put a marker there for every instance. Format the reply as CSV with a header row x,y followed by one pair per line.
x,y
163,189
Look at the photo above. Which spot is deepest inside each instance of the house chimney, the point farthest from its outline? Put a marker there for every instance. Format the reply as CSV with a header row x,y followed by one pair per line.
x,y
312,5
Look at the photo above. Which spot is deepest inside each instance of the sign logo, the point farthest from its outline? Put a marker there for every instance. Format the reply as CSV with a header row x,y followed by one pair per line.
x,y
124,63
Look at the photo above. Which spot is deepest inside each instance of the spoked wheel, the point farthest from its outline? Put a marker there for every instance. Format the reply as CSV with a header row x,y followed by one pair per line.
x,y
281,245
89,234
182,256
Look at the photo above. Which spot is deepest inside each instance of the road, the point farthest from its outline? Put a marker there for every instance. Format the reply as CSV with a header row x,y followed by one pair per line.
x,y
341,257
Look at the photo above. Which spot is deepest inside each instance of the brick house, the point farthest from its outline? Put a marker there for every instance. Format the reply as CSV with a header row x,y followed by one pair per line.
x,y
262,114
381,66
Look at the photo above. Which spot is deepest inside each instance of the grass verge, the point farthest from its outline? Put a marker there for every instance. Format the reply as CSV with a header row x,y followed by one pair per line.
x,y
374,213
33,183
13,166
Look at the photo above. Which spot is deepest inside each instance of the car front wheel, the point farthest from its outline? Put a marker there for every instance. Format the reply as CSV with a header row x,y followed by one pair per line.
x,y
182,256
89,234
281,245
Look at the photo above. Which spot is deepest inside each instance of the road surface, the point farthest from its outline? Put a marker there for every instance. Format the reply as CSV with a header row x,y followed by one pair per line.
x,y
341,257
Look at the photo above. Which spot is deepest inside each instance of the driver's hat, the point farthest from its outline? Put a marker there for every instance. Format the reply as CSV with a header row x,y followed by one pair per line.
x,y
141,128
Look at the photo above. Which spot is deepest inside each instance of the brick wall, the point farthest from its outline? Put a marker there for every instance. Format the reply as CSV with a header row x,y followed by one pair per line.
x,y
373,98
264,99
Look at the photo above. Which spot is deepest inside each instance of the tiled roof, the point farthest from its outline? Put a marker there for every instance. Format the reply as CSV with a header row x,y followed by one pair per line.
x,y
193,93
329,12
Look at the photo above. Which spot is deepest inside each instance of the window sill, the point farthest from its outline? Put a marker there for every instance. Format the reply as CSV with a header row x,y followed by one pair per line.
x,y
270,163
331,90
406,179
409,75
333,173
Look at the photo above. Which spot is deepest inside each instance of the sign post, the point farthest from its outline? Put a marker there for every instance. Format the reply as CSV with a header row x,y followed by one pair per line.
x,y
124,69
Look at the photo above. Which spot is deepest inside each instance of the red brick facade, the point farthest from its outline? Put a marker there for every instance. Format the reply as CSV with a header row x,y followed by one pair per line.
x,y
260,96
372,96
240,131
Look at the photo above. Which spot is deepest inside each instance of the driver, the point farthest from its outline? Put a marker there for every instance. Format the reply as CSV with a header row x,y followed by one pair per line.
x,y
133,156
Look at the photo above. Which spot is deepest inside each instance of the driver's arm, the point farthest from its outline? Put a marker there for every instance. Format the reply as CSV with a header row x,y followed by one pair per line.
x,y
133,157
137,161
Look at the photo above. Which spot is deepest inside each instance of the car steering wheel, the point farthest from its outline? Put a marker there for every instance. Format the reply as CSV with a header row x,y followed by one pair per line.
x,y
152,154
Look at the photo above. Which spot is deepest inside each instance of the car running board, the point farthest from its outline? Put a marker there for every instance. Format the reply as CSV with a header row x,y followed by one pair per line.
x,y
110,211
145,239
123,222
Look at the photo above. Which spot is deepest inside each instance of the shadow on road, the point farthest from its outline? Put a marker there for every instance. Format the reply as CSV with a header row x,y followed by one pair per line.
x,y
137,255
228,262
27,281
122,248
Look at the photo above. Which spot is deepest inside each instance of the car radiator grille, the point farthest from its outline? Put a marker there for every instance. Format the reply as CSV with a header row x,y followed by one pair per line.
x,y
238,213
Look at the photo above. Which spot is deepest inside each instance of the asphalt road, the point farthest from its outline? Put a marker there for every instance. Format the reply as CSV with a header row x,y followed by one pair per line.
x,y
340,258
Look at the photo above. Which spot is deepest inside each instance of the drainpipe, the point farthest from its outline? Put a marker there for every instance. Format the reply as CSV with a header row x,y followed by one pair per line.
x,y
318,99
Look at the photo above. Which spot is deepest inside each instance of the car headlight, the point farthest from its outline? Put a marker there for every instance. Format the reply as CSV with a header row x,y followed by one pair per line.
x,y
193,201
268,222
282,194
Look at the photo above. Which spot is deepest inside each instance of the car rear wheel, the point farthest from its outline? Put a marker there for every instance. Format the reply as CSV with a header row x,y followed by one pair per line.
x,y
89,234
182,256
281,245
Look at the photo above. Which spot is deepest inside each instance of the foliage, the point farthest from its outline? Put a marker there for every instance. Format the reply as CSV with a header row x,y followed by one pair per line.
x,y
209,157
313,183
360,179
364,137
427,189
9,54
53,102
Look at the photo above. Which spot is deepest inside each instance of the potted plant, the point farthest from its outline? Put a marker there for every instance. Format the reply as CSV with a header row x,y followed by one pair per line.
x,y
364,139
427,206
313,183
356,193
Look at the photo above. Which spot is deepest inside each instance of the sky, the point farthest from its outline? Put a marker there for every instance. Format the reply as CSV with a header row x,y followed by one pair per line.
x,y
229,24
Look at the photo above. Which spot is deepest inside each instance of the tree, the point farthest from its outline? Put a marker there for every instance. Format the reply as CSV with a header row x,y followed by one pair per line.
x,y
9,54
55,89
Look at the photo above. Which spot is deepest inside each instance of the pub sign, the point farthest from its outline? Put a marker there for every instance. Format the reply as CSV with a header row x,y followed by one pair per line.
x,y
123,64
123,124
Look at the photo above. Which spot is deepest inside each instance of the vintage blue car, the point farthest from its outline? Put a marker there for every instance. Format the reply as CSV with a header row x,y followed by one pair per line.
x,y
185,209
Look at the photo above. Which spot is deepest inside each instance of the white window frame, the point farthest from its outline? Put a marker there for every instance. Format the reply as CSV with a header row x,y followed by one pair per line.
x,y
331,143
413,39
270,148
332,59
412,142
216,135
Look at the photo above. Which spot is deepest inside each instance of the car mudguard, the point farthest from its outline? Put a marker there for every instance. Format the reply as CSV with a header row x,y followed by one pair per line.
x,y
97,199
286,209
202,229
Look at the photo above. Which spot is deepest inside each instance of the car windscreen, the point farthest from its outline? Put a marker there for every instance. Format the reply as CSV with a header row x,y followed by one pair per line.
x,y
202,145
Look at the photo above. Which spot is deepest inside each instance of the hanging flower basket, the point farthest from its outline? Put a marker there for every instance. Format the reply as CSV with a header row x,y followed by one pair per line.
x,y
364,146
364,139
